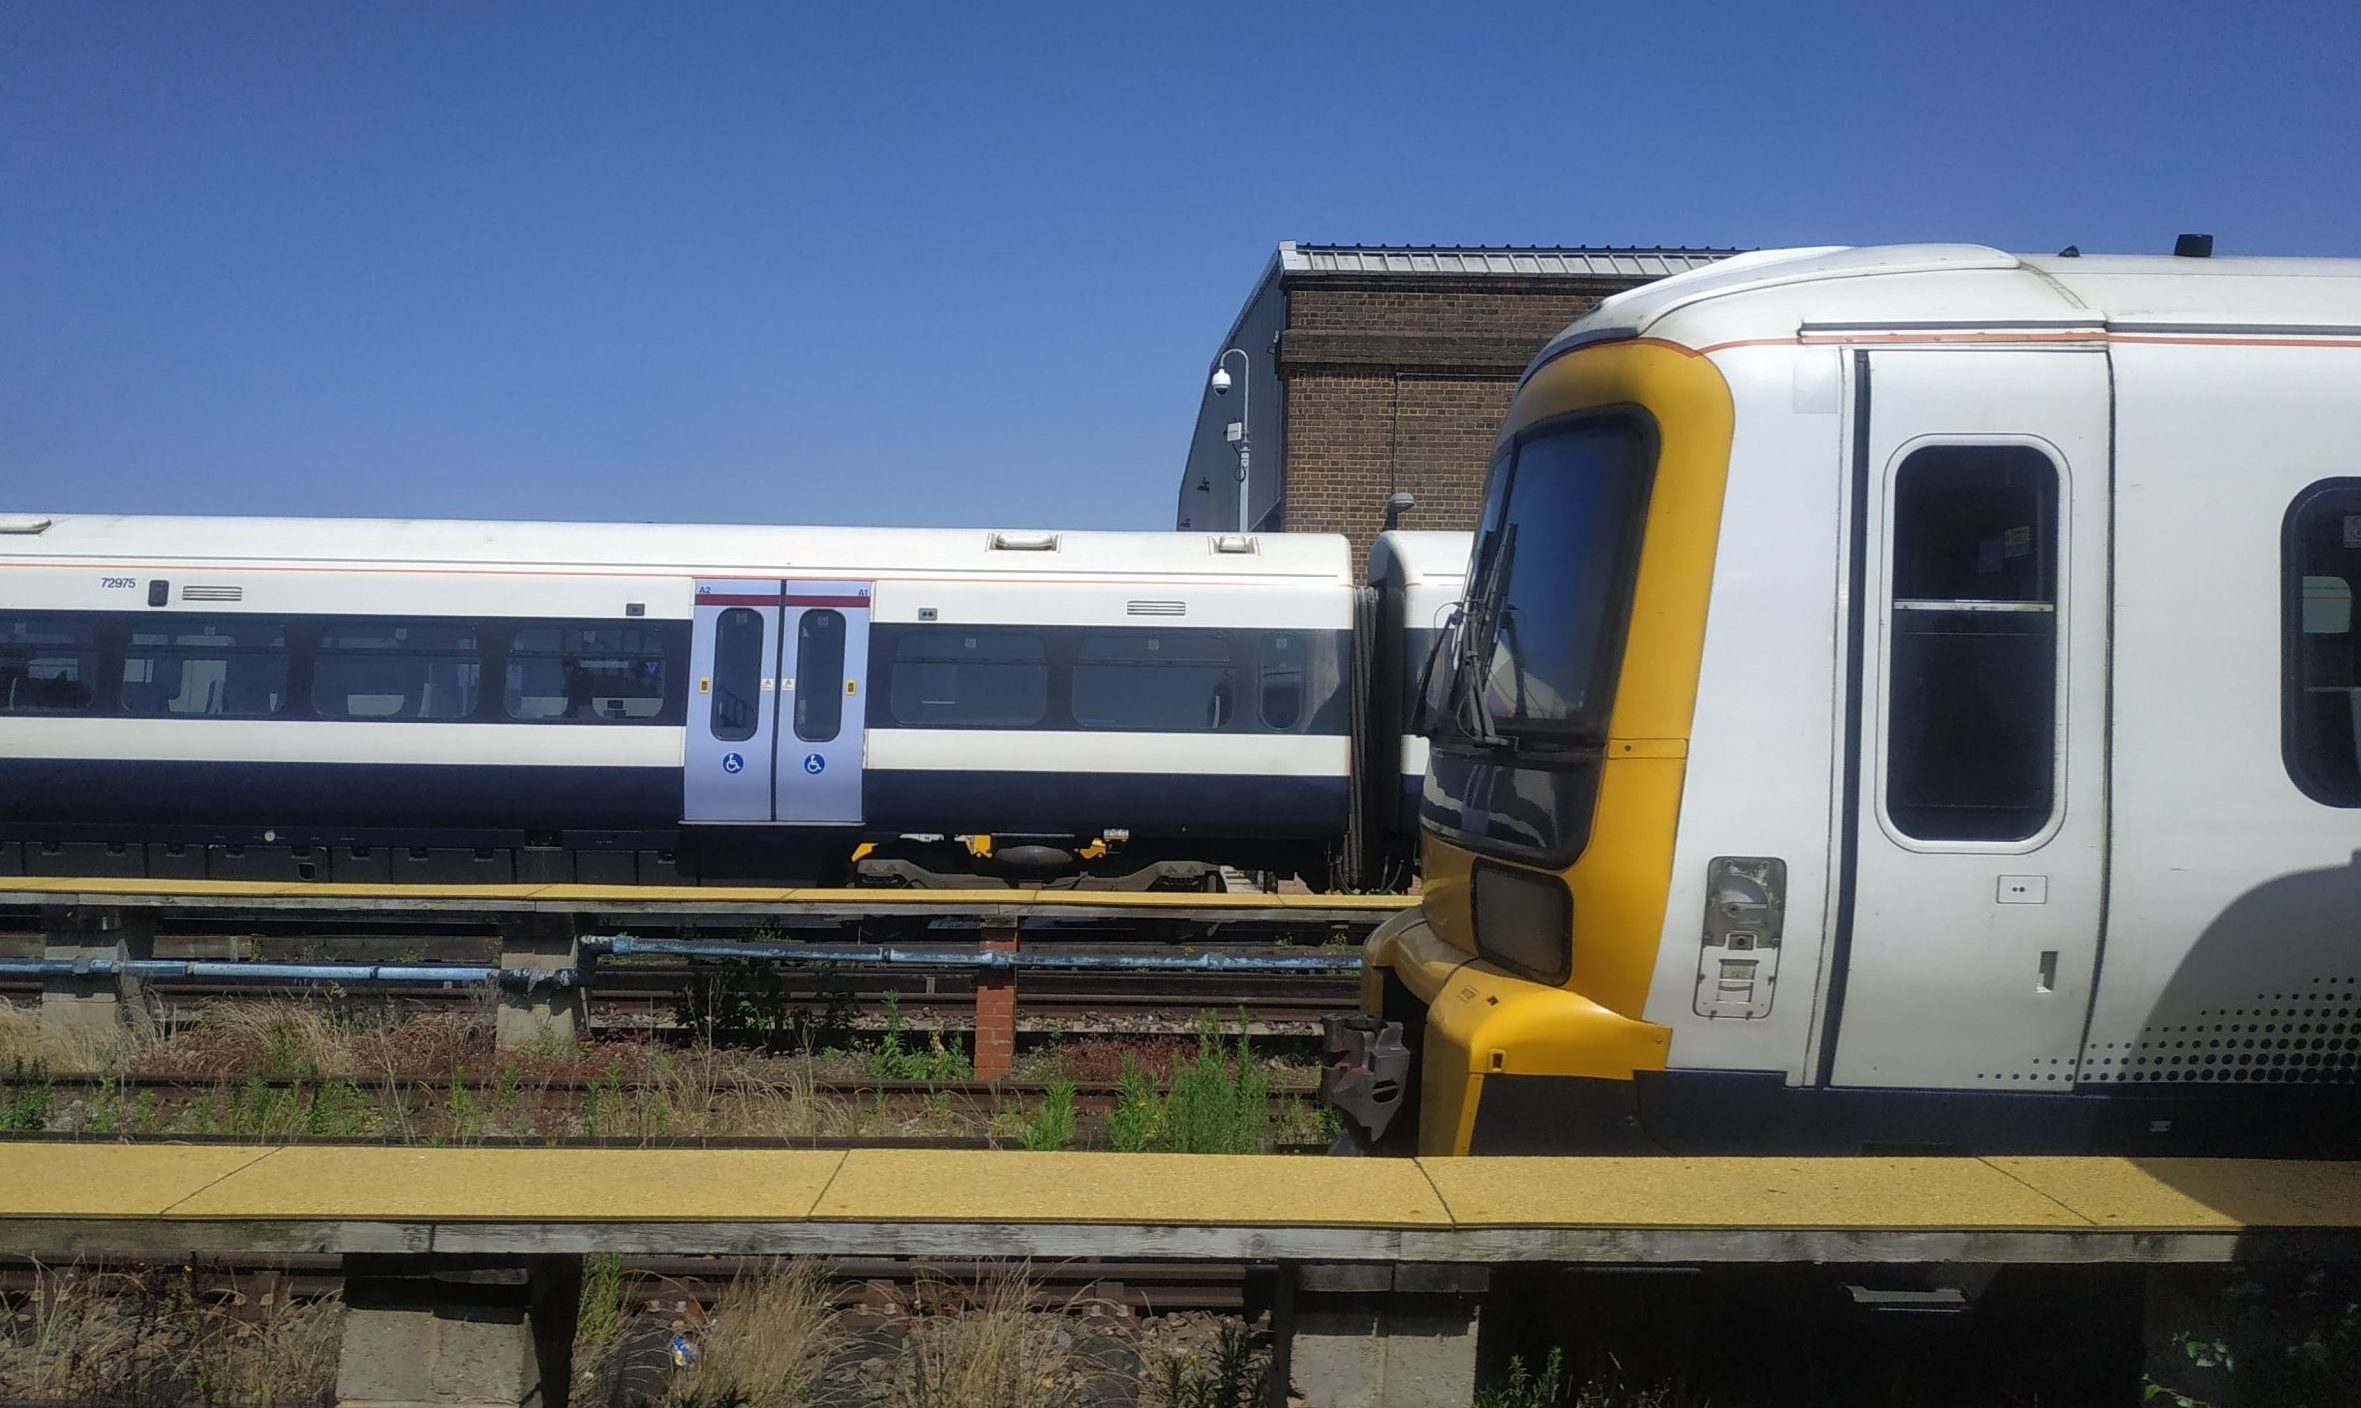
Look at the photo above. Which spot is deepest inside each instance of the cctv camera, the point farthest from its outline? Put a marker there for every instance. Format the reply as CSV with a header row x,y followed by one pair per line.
x,y
1221,380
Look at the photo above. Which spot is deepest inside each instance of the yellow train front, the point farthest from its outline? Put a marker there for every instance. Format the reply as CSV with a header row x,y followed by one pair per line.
x,y
1886,711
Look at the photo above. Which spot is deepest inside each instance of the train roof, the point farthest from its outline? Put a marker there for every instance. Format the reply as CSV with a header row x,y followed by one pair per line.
x,y
1423,556
1777,294
695,549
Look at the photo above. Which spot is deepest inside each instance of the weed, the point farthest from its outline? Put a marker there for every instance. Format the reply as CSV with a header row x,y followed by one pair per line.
x,y
1137,1116
340,1110
461,1109
997,1352
1220,1098
1295,1121
895,1060
770,1336
27,1107
1525,1389
599,1101
1052,1126
602,1322
1234,1376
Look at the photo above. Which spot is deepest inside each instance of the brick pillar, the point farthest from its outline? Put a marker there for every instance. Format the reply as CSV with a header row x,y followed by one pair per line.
x,y
996,1004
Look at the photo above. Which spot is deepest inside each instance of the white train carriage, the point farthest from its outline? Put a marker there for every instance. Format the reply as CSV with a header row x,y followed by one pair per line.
x,y
357,699
1907,696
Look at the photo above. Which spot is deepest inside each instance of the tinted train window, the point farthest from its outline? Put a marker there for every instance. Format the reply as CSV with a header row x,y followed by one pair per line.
x,y
737,674
1282,680
233,668
970,677
1560,557
47,667
398,670
819,676
1154,682
587,674
2320,668
1971,732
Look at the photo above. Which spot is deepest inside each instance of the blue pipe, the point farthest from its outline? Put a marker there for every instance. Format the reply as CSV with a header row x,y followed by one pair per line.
x,y
998,960
624,945
239,971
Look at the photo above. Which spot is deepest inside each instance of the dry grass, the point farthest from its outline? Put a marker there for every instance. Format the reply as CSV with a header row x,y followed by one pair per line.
x,y
291,1037
769,1338
143,1339
26,1048
998,1352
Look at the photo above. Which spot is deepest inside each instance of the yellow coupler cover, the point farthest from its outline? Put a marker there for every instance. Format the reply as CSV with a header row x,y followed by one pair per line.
x,y
1483,1022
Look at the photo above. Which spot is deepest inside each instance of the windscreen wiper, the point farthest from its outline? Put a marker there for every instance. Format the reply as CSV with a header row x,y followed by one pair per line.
x,y
1475,710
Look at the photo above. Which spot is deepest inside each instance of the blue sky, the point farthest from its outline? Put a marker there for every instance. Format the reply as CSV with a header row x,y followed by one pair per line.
x,y
935,264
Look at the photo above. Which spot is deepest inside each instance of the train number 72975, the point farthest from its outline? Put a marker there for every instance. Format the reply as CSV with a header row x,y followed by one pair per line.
x,y
118,581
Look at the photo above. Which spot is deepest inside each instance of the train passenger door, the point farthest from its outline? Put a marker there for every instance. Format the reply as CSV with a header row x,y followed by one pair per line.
x,y
733,713
1977,808
822,701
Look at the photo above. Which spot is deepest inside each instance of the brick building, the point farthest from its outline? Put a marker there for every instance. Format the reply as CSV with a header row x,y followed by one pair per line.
x,y
1371,371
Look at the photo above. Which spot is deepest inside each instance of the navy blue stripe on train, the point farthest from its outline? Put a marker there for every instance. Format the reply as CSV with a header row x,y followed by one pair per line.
x,y
615,703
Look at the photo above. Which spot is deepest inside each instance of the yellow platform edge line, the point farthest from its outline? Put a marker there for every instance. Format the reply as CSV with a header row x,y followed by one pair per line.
x,y
1030,897
950,1187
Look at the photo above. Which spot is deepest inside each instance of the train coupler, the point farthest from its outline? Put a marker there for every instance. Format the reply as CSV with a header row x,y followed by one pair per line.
x,y
1364,1069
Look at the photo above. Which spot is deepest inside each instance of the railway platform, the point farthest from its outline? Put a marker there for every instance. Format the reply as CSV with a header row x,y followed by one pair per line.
x,y
459,1261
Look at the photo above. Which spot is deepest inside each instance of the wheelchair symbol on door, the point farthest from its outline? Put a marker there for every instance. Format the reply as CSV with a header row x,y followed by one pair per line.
x,y
733,762
814,764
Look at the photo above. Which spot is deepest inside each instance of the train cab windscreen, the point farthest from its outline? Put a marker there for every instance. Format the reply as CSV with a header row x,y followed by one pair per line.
x,y
1539,641
1556,587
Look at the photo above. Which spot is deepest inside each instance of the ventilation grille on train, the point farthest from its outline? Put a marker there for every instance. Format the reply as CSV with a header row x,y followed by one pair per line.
x,y
1155,608
212,593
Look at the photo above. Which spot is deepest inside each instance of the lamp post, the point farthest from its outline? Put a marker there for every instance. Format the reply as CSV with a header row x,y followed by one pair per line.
x,y
1239,432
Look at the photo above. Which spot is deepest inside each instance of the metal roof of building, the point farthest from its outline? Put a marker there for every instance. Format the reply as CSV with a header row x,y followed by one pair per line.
x,y
1538,261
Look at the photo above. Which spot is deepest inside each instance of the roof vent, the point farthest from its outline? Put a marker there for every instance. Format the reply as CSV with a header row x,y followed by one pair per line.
x,y
212,593
1233,542
24,523
1022,542
1155,608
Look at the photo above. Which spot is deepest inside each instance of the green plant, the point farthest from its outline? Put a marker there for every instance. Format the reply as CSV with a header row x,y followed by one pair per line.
x,y
27,1108
1137,1115
1525,1389
1052,1126
601,1319
894,1058
1220,1098
340,1110
599,1100
1233,1376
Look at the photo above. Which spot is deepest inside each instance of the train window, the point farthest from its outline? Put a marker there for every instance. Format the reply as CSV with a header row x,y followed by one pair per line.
x,y
47,666
1155,682
398,670
230,668
819,676
1282,680
1561,557
2320,668
737,674
1971,710
585,674
970,677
